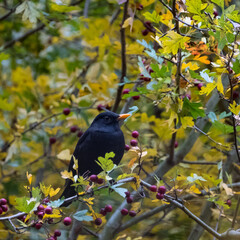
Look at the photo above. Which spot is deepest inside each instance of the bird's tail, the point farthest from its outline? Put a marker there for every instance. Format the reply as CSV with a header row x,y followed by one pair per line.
x,y
68,192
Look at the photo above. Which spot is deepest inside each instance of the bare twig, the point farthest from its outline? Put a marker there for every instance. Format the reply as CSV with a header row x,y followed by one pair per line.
x,y
236,212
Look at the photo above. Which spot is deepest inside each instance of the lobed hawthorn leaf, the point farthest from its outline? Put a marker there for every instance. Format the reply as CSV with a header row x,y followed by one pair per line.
x,y
81,216
105,163
153,17
194,108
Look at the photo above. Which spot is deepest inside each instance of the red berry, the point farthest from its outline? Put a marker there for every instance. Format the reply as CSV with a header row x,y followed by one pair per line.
x,y
148,23
200,86
100,181
145,32
98,221
103,212
188,96
150,70
235,95
73,129
176,144
132,213
124,212
153,188
1,211
67,221
215,13
48,210
146,79
126,91
228,202
52,140
40,208
3,201
162,189
66,111
93,178
134,142
129,199
135,134
38,225
159,196
127,194
4,208
80,133
230,70
40,215
108,208
57,233
45,200
127,147
140,7
136,97
100,107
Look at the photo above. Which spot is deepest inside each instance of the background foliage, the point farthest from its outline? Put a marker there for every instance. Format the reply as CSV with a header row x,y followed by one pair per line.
x,y
180,61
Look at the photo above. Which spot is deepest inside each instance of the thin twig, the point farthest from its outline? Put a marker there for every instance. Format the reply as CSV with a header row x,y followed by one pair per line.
x,y
236,212
200,162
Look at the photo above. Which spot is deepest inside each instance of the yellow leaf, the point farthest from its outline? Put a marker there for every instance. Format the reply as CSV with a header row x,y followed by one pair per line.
x,y
53,192
75,165
187,122
203,59
48,191
194,189
173,116
29,177
220,85
135,185
190,65
88,200
64,155
208,88
65,174
132,161
172,42
234,108
181,178
55,214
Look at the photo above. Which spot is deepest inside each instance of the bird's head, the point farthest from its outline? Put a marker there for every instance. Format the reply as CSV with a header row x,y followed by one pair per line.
x,y
108,120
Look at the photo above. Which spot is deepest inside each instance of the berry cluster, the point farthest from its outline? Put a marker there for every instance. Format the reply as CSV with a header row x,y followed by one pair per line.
x,y
127,90
128,197
95,179
160,191
131,213
3,205
133,142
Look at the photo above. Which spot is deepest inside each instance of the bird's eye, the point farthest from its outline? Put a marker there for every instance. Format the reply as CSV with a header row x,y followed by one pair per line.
x,y
107,118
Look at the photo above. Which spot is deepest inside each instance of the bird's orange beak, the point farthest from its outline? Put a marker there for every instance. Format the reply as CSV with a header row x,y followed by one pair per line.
x,y
123,116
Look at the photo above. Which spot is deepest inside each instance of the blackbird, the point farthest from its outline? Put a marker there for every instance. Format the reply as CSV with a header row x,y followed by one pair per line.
x,y
103,136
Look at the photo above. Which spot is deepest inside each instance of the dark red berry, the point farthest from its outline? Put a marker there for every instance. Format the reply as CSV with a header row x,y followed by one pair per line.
x,y
40,207
66,111
57,233
159,196
100,107
127,147
98,221
145,32
215,13
4,208
40,215
153,188
230,70
100,181
148,24
140,7
146,79
124,212
129,199
176,144
135,134
199,86
235,95
132,213
127,194
38,225
103,211
126,91
1,211
136,97
162,189
48,210
134,142
52,140
80,133
108,107
188,96
108,208
67,221
150,70
229,202
3,201
73,129
93,178
45,200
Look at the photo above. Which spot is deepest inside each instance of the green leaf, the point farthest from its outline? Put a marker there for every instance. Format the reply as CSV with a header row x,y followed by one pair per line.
x,y
194,177
212,116
120,191
224,114
105,163
81,216
220,3
25,204
56,203
5,106
36,193
153,17
236,66
194,108
143,70
133,109
194,6
63,8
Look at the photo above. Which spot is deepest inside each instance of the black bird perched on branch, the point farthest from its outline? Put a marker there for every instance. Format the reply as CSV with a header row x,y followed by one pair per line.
x,y
103,136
